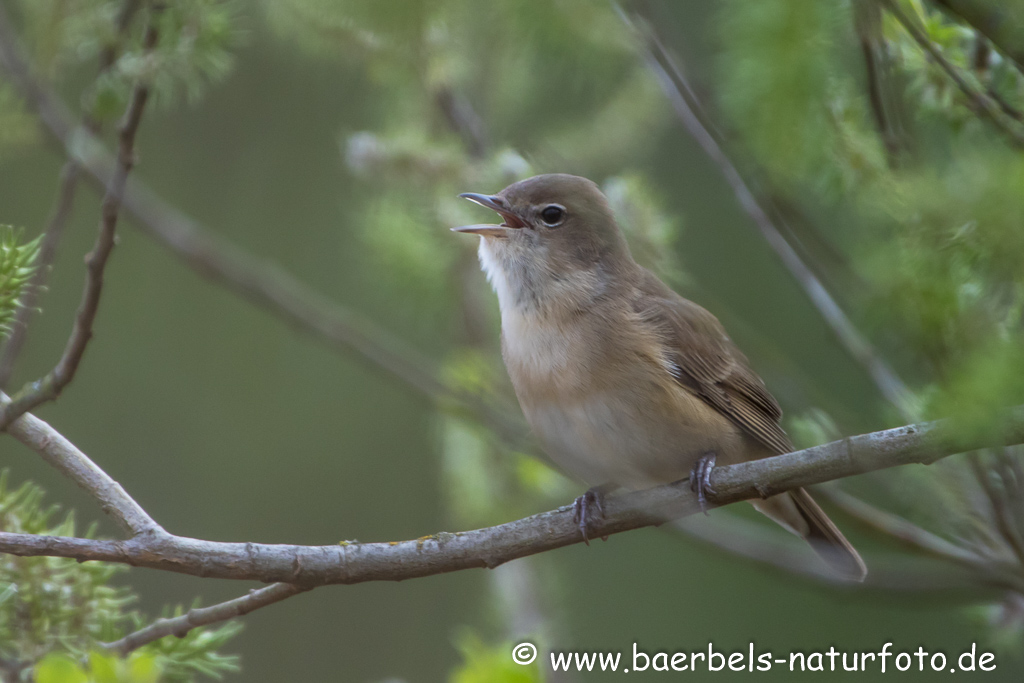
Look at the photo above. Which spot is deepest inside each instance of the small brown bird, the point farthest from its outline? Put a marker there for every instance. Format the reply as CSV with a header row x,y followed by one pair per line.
x,y
626,383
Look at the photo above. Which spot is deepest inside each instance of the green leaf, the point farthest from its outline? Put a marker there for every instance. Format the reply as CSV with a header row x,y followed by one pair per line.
x,y
17,266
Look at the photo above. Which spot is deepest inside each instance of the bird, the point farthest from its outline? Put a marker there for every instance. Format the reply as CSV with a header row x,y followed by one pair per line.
x,y
625,383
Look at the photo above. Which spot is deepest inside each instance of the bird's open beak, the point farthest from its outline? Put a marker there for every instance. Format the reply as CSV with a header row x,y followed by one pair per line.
x,y
494,203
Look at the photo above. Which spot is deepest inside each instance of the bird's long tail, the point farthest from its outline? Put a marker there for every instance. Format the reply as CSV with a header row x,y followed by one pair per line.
x,y
798,512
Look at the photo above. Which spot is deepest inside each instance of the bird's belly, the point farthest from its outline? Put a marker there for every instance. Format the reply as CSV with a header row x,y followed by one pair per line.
x,y
625,440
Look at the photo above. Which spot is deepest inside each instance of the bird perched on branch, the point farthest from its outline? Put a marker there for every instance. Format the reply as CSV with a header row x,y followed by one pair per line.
x,y
626,383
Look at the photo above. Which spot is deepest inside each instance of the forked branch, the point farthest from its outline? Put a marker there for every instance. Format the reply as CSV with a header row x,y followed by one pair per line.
x,y
349,563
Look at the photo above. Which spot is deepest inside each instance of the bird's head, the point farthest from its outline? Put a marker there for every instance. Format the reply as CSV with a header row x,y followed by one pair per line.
x,y
558,234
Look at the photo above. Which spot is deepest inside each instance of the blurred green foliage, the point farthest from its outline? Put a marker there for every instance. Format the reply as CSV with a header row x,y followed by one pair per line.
x,y
195,38
932,225
56,612
486,664
790,86
937,234
17,126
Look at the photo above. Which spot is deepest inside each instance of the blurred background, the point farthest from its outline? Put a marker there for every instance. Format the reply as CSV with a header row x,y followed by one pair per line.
x,y
330,139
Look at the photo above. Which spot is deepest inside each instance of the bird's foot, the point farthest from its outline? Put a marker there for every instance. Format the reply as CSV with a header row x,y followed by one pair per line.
x,y
585,507
700,479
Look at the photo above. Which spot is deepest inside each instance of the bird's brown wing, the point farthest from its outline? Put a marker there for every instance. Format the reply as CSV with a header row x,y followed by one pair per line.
x,y
705,361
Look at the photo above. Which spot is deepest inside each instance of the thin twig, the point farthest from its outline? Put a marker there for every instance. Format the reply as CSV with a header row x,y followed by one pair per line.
x,y
1008,109
204,616
678,91
981,103
868,25
748,539
129,8
350,563
261,282
987,571
50,387
1005,521
992,21
63,456
1012,474
256,280
463,120
806,237
69,176
981,65
909,534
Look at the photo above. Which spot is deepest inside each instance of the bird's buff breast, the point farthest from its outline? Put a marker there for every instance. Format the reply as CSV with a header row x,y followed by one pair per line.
x,y
635,430
603,416
604,438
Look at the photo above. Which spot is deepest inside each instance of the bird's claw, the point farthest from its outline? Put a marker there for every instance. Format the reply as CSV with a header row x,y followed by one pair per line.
x,y
583,510
700,479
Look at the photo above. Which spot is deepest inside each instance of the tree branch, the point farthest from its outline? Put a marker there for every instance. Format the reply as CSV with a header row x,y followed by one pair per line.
x,y
679,93
904,531
63,456
463,120
1002,25
204,616
981,103
747,539
350,563
867,22
50,386
69,176
1004,517
261,282
988,571
257,280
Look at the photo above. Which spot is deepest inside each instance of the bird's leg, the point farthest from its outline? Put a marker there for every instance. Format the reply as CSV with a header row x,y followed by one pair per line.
x,y
700,479
585,506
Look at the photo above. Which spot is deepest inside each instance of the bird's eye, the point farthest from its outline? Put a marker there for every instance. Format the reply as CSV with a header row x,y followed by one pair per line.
x,y
552,214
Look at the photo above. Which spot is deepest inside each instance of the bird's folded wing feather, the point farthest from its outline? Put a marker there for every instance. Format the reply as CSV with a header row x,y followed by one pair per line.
x,y
705,361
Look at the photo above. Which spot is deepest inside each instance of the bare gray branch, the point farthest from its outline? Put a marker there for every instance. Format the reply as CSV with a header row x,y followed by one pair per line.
x,y
204,616
63,456
350,563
